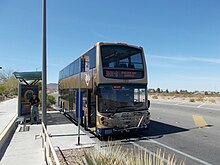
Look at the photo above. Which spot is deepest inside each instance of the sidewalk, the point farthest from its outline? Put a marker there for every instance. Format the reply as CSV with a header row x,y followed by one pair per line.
x,y
8,109
64,134
25,147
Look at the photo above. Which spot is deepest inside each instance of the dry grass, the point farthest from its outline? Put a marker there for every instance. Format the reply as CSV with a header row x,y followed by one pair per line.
x,y
186,97
113,155
154,97
192,100
71,156
200,98
212,101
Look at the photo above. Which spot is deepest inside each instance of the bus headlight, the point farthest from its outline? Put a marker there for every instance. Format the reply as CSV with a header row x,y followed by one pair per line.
x,y
103,121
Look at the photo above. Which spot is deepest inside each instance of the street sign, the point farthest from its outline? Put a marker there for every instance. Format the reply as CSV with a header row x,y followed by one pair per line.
x,y
86,57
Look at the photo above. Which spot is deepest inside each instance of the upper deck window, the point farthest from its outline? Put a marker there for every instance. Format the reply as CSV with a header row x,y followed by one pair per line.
x,y
120,56
122,62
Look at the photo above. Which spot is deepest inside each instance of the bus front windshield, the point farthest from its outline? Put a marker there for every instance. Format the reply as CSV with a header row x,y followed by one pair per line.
x,y
120,56
120,98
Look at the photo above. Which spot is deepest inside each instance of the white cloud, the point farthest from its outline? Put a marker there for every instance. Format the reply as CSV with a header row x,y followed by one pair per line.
x,y
199,59
210,60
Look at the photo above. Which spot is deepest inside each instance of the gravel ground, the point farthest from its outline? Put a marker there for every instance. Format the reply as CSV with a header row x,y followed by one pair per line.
x,y
198,99
70,156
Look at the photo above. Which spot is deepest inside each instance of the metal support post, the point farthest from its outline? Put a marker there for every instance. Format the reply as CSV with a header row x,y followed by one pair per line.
x,y
79,102
44,65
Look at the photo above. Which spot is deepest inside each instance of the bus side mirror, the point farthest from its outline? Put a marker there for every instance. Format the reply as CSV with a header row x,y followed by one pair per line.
x,y
148,104
96,90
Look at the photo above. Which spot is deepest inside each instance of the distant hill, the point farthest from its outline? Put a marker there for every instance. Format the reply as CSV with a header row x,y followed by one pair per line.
x,y
52,86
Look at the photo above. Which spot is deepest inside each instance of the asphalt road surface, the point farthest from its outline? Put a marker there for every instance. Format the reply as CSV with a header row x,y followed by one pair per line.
x,y
190,131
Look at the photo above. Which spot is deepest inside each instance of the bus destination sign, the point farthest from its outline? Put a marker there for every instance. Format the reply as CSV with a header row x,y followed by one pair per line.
x,y
126,74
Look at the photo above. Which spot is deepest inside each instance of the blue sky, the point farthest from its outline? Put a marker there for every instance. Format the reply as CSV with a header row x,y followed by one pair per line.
x,y
181,38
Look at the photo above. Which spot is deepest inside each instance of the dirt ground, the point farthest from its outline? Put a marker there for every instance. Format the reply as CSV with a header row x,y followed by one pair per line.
x,y
71,156
186,98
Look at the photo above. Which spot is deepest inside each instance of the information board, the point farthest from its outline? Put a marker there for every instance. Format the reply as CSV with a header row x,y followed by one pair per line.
x,y
26,92
125,74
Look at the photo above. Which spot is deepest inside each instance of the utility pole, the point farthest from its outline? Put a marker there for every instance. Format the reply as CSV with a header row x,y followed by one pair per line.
x,y
44,66
79,100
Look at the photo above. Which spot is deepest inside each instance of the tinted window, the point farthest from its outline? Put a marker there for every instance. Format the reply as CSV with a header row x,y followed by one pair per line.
x,y
76,63
121,98
92,58
71,68
66,71
120,56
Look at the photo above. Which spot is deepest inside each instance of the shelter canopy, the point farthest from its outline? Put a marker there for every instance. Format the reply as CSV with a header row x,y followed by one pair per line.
x,y
28,76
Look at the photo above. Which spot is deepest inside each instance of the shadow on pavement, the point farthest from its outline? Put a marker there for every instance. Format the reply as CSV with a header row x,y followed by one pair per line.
x,y
156,130
56,118
61,135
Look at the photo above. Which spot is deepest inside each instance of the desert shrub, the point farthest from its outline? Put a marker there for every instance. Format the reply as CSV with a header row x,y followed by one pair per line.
x,y
192,100
50,100
212,101
200,99
115,155
154,97
2,89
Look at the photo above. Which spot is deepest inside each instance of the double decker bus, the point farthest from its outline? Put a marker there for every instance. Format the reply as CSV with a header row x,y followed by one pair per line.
x,y
113,80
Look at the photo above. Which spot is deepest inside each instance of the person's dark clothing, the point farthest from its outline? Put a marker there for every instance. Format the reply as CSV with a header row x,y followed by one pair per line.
x,y
34,101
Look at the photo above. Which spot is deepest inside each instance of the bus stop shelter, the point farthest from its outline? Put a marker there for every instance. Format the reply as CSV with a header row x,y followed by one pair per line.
x,y
26,89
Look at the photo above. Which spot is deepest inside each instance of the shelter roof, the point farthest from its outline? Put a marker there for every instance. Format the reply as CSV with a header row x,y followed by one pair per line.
x,y
28,76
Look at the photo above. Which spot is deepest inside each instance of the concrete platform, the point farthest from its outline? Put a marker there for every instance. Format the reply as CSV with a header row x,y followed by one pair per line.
x,y
25,147
64,134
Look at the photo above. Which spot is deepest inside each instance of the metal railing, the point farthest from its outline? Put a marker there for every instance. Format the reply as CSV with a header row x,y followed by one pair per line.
x,y
48,150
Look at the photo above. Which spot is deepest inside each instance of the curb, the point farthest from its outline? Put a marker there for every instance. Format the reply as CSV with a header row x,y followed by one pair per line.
x,y
6,134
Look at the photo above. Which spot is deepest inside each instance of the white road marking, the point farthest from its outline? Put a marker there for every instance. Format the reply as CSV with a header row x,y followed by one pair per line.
x,y
200,105
180,152
180,103
185,106
148,151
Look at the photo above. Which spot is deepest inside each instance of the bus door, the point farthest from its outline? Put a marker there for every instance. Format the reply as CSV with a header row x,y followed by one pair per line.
x,y
71,98
71,103
91,109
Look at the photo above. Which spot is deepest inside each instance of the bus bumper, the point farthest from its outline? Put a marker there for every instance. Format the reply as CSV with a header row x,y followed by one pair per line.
x,y
113,131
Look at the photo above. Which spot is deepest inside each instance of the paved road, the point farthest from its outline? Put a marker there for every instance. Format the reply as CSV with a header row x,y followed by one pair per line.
x,y
174,130
8,109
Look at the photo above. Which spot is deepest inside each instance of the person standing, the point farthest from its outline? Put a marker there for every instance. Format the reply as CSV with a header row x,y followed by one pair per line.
x,y
34,101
